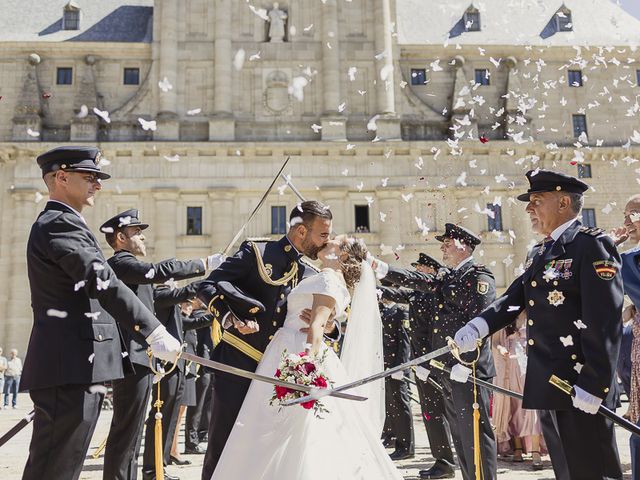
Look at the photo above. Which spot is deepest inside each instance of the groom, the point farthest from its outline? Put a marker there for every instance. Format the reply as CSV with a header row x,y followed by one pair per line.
x,y
266,271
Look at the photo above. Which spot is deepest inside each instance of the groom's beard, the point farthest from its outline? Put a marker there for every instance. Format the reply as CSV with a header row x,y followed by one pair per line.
x,y
312,250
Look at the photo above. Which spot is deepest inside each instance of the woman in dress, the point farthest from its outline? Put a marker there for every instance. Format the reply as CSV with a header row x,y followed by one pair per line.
x,y
517,430
290,443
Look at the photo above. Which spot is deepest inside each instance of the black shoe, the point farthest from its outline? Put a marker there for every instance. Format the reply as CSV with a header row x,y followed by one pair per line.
x,y
197,450
152,476
401,455
388,442
178,461
438,471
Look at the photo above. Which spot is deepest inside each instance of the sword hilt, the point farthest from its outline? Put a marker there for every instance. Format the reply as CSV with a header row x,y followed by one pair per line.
x,y
561,384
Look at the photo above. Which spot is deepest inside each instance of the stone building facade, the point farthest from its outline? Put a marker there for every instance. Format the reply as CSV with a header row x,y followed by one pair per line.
x,y
400,114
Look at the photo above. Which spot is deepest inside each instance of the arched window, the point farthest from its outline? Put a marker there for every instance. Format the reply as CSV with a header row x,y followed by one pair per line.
x,y
472,19
71,16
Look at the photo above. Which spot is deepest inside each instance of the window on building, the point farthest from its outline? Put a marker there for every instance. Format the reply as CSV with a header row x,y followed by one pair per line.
x,y
362,218
575,78
589,217
131,76
472,20
71,17
579,125
482,76
278,220
64,76
584,170
638,77
494,223
564,21
194,220
418,76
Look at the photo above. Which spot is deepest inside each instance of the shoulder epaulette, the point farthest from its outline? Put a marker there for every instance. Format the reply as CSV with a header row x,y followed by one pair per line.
x,y
593,231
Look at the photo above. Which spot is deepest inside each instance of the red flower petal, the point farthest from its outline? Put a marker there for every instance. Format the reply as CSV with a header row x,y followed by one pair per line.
x,y
308,405
483,139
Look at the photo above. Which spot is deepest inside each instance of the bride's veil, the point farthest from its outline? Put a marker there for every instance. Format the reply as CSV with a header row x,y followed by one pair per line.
x,y
362,347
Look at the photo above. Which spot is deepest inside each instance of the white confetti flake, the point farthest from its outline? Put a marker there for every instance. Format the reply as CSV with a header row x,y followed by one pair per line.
x,y
81,283
172,284
38,197
297,87
371,124
92,315
91,357
102,284
150,274
238,59
33,133
383,216
52,312
579,324
165,85
407,197
83,112
124,221
98,389
255,56
607,209
567,341
147,124
578,367
103,114
172,158
98,266
351,73
345,172
194,111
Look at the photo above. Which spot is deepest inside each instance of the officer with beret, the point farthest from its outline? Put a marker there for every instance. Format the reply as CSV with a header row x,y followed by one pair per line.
x,y
265,271
572,293
398,422
457,297
75,342
421,312
124,233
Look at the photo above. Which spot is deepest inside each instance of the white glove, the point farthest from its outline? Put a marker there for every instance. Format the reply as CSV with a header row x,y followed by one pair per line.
x,y
422,373
214,261
398,375
379,267
586,402
467,337
163,345
460,373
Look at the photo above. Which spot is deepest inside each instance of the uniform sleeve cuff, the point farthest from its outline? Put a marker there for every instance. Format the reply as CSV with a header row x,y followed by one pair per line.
x,y
480,324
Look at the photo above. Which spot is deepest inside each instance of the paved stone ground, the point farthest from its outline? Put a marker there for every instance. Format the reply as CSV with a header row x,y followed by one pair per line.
x,y
14,454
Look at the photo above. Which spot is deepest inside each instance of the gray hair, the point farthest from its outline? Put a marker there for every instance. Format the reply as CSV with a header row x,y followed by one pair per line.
x,y
577,202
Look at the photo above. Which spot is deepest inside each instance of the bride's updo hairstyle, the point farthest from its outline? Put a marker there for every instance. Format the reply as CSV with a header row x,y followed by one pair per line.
x,y
351,264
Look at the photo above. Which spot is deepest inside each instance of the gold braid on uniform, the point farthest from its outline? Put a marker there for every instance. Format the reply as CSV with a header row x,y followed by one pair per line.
x,y
291,275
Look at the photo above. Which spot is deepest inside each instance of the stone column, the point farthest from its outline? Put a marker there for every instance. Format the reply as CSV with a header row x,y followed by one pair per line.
x,y
19,319
334,125
165,227
388,123
460,107
511,102
221,218
222,126
85,129
167,120
28,110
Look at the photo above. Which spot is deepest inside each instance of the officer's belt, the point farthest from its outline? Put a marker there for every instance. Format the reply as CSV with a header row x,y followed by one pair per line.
x,y
241,345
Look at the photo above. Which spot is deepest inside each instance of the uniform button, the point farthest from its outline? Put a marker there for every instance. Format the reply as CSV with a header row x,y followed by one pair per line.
x,y
99,337
221,297
534,284
555,283
606,390
531,342
270,337
282,295
137,328
530,322
275,323
574,357
436,317
532,303
440,306
278,309
435,330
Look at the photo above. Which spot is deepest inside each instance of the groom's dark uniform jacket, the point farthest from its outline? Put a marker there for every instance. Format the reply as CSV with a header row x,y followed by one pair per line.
x,y
266,271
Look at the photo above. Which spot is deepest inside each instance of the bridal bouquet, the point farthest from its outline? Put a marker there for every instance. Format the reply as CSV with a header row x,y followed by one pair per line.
x,y
302,369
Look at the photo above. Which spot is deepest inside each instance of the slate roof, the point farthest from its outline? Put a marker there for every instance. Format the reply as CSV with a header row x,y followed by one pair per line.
x,y
100,21
515,22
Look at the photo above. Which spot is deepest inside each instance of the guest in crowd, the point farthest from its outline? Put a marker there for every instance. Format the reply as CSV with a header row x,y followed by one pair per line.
x,y
12,378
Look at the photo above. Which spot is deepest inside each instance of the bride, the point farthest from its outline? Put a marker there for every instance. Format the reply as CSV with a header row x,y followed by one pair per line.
x,y
291,443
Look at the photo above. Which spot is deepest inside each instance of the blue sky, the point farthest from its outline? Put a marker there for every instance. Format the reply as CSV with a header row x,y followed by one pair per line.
x,y
631,6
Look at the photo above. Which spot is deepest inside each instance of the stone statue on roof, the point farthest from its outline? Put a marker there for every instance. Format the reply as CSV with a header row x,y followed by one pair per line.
x,y
277,19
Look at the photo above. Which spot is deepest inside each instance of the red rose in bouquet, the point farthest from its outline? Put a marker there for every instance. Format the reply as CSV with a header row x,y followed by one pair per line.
x,y
320,382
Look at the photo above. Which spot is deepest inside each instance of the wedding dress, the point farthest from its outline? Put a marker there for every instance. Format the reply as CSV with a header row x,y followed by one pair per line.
x,y
290,443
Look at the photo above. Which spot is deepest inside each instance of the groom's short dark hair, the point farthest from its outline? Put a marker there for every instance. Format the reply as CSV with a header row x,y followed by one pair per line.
x,y
310,210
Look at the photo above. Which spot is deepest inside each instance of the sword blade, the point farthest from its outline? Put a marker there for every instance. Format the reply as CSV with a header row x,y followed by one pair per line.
x,y
263,378
292,187
375,376
227,250
17,427
482,383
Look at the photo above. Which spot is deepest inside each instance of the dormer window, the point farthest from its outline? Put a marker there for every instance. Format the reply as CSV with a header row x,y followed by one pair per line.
x,y
564,22
71,16
472,19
